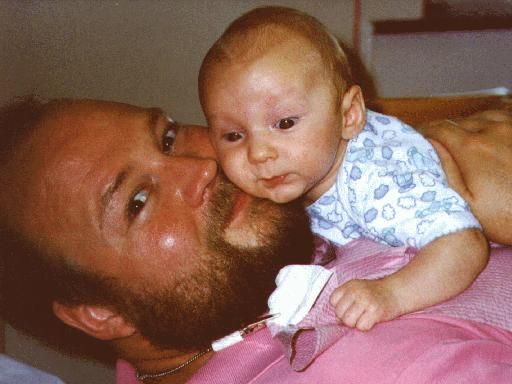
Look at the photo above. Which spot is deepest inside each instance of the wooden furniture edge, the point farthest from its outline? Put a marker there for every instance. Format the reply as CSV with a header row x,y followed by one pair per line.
x,y
417,110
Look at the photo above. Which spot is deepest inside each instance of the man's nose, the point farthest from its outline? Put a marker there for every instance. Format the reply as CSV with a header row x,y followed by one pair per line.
x,y
261,149
194,142
192,177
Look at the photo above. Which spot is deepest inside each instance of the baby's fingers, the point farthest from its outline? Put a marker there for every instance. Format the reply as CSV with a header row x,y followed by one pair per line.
x,y
346,308
366,321
336,296
341,302
352,315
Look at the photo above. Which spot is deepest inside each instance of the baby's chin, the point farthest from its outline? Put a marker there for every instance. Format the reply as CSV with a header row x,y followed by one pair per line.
x,y
281,195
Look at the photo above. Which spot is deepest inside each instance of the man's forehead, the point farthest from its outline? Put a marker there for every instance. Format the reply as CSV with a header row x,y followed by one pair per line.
x,y
73,136
89,131
89,111
68,122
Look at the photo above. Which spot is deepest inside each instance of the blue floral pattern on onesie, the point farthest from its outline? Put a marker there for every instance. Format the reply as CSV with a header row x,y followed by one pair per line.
x,y
390,188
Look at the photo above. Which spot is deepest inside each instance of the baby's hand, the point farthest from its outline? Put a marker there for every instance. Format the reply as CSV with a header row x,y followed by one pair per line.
x,y
363,303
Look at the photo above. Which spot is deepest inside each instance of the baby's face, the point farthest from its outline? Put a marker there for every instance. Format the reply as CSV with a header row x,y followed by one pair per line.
x,y
274,124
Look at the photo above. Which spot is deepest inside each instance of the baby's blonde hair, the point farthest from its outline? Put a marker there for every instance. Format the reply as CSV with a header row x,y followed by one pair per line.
x,y
260,29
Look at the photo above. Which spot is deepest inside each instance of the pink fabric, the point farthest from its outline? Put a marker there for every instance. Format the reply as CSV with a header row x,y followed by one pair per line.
x,y
416,350
319,329
449,343
125,374
427,349
488,300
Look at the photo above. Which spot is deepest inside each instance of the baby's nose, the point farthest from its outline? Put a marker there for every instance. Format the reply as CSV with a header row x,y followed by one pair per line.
x,y
261,150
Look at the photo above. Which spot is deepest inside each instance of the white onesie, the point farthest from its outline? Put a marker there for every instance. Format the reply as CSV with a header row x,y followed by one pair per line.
x,y
390,188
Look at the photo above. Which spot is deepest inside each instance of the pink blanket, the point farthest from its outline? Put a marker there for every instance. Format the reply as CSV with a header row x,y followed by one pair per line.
x,y
466,339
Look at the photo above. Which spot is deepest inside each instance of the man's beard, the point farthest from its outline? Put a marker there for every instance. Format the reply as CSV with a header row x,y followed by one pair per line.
x,y
229,285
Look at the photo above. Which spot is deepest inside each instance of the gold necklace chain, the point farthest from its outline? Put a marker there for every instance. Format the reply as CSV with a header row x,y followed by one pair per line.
x,y
152,376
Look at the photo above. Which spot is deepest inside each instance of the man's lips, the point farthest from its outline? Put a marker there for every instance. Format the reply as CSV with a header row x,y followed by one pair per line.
x,y
275,181
241,202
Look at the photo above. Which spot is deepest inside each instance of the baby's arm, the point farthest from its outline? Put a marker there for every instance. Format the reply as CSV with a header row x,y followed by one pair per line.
x,y
442,269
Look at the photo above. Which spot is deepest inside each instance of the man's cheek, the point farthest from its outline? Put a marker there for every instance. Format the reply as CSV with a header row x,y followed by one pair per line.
x,y
167,242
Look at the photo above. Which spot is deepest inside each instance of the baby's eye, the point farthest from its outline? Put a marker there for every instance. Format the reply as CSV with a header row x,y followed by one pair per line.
x,y
137,203
168,137
286,123
233,136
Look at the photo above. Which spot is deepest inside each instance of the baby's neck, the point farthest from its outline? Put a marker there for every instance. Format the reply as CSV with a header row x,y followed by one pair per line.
x,y
329,179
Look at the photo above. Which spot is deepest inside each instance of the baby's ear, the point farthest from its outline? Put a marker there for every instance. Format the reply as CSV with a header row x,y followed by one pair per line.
x,y
354,112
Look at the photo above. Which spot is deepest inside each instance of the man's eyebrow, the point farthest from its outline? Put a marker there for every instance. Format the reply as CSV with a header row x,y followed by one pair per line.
x,y
153,116
107,196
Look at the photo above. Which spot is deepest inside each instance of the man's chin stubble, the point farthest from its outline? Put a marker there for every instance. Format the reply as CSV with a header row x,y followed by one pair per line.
x,y
251,228
229,285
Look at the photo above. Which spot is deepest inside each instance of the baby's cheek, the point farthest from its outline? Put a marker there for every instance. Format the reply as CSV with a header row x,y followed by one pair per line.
x,y
244,180
235,171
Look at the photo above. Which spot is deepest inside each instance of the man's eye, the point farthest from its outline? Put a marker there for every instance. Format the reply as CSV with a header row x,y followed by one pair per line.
x,y
233,136
168,138
137,203
286,123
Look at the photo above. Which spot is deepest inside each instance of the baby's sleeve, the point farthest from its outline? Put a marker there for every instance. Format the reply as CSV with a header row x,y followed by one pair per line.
x,y
407,201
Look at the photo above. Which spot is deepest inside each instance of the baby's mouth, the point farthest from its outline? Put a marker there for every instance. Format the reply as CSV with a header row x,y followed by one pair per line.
x,y
273,182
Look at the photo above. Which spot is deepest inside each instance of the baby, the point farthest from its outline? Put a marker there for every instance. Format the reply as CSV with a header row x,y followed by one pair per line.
x,y
287,122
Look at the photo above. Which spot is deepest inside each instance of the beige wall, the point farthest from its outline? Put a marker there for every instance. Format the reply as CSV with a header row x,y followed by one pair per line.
x,y
374,10
143,52
442,63
425,64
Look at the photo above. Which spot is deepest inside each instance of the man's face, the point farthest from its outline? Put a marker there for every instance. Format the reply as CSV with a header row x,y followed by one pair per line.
x,y
131,196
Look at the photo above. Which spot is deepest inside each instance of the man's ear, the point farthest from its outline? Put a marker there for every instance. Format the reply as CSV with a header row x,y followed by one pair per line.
x,y
354,113
99,322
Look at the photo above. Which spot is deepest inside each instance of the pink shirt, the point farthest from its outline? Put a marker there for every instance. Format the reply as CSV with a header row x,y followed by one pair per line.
x,y
466,339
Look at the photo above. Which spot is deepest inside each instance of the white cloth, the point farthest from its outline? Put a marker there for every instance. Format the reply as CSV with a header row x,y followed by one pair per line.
x,y
227,341
15,372
391,188
298,287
